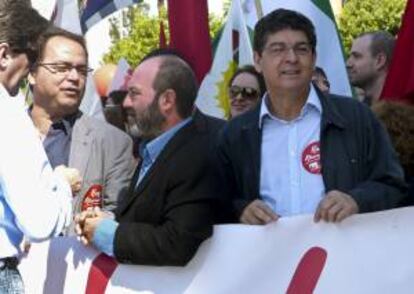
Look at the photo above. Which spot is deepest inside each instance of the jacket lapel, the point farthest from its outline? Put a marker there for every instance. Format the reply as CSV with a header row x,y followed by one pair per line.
x,y
251,135
136,190
331,118
131,191
81,145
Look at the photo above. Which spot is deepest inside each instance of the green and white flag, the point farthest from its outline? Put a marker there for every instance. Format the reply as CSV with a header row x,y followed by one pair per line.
x,y
234,48
330,55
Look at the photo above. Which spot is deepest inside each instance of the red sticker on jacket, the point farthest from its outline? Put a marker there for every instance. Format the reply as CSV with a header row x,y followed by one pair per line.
x,y
311,158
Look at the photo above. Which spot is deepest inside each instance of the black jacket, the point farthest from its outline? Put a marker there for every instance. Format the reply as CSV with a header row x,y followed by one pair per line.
x,y
356,156
164,220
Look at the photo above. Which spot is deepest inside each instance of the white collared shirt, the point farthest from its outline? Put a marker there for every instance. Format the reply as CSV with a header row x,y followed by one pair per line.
x,y
290,178
34,201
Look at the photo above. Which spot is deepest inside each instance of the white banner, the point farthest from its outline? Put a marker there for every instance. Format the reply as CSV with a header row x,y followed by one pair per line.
x,y
370,253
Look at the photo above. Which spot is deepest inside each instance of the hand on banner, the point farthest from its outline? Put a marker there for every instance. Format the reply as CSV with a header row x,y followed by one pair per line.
x,y
335,207
87,221
258,213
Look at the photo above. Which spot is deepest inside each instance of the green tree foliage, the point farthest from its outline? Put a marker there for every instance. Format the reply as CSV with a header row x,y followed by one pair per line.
x,y
215,23
360,16
136,33
133,35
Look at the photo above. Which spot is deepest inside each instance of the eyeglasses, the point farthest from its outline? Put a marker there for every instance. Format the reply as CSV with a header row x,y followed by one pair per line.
x,y
246,92
281,49
64,68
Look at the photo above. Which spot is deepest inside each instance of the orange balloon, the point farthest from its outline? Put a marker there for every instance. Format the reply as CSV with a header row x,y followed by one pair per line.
x,y
103,77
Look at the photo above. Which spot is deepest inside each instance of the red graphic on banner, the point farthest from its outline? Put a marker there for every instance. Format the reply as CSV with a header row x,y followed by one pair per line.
x,y
311,158
304,279
308,271
93,197
101,271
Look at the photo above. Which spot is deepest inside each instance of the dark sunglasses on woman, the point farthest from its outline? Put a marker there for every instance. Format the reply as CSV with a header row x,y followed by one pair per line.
x,y
246,92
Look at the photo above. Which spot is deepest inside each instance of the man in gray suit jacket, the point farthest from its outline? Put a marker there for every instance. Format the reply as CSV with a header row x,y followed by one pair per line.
x,y
101,153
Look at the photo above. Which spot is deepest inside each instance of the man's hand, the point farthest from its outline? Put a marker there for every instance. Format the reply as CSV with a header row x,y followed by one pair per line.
x,y
89,228
87,222
80,219
72,175
335,207
258,213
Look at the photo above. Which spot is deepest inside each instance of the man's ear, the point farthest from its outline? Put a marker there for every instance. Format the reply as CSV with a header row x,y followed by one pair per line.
x,y
380,61
4,55
314,55
257,61
167,101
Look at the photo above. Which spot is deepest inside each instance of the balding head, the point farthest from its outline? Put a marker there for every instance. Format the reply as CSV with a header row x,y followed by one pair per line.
x,y
175,74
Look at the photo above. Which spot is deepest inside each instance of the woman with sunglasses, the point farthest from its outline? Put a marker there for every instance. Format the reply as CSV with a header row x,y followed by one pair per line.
x,y
246,87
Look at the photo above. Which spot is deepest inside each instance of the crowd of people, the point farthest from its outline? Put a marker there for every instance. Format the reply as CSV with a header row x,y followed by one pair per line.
x,y
289,147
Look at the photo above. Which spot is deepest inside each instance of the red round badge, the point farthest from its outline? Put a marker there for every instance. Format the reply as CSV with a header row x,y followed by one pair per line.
x,y
93,197
311,158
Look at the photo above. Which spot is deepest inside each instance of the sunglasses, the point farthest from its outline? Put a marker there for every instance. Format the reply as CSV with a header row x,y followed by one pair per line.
x,y
246,92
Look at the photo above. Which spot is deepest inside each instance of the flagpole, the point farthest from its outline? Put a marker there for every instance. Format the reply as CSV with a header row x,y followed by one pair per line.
x,y
259,8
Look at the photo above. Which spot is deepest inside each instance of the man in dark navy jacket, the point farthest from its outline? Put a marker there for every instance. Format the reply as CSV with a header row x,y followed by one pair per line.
x,y
300,151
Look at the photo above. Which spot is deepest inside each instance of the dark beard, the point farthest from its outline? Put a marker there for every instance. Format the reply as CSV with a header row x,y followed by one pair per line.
x,y
150,122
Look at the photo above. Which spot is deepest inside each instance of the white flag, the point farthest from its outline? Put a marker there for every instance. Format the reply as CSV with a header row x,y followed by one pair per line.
x,y
213,94
119,82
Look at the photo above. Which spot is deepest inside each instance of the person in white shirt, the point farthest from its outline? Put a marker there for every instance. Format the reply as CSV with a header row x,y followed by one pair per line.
x,y
35,201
